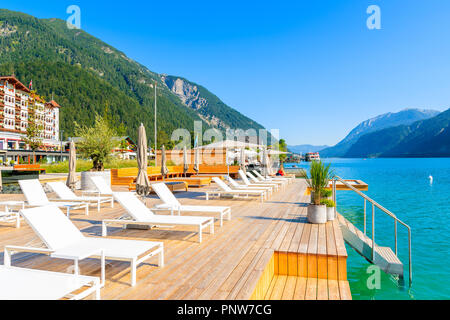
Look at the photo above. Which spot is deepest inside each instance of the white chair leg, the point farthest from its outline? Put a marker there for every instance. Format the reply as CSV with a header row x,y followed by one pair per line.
x,y
200,234
98,205
161,258
87,209
7,257
104,229
112,202
133,272
17,220
211,230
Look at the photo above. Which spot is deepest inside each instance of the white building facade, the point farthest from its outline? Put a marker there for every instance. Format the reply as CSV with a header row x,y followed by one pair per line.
x,y
18,107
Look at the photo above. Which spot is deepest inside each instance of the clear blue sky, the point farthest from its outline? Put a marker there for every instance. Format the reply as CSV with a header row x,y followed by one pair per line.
x,y
309,68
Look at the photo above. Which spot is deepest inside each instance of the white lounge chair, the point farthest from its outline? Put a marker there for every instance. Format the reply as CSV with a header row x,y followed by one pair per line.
x,y
63,240
8,215
224,189
142,215
244,178
30,284
273,178
256,179
102,188
172,204
36,197
238,186
64,193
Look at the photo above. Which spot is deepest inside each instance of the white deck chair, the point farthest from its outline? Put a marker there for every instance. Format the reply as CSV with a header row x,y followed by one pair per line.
x,y
144,216
256,179
224,189
10,216
275,178
103,189
244,178
63,240
172,204
238,186
64,193
31,284
36,197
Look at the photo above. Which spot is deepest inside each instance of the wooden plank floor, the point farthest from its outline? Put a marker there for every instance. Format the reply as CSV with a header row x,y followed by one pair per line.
x,y
226,265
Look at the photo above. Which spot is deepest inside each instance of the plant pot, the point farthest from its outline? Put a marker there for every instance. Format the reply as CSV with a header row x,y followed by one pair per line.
x,y
87,184
330,214
317,214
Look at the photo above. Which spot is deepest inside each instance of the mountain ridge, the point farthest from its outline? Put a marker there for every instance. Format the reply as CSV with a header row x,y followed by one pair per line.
x,y
391,119
423,138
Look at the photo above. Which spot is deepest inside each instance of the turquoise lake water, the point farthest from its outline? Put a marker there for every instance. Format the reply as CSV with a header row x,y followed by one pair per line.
x,y
403,187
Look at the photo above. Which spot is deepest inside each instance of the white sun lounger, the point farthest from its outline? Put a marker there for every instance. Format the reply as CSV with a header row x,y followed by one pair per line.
x,y
256,179
10,216
238,186
224,189
142,215
172,204
244,178
63,240
276,178
64,193
36,197
102,188
30,284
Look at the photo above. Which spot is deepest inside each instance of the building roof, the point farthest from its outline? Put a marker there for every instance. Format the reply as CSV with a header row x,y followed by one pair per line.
x,y
54,104
19,85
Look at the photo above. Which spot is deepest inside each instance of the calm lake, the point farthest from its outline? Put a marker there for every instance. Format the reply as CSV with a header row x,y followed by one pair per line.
x,y
402,186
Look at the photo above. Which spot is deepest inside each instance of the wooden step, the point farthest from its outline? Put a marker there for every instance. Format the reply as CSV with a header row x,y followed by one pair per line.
x,y
385,258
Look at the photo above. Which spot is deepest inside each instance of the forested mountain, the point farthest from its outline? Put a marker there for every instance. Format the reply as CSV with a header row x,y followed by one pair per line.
x,y
404,117
425,138
86,75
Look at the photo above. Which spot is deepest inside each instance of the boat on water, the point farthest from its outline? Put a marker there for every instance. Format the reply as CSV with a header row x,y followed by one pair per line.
x,y
312,156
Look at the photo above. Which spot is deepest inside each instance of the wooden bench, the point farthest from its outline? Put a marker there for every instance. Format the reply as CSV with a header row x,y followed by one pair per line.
x,y
126,176
29,167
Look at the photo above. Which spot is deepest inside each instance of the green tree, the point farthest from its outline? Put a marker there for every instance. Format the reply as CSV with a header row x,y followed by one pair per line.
x,y
33,136
97,142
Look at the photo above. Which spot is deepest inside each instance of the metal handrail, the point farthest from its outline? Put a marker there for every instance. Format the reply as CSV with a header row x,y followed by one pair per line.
x,y
389,213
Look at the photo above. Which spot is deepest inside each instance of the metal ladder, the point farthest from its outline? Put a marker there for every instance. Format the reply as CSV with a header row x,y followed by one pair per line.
x,y
384,257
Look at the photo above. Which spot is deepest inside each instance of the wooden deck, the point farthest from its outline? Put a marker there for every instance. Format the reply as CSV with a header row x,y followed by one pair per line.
x,y
267,251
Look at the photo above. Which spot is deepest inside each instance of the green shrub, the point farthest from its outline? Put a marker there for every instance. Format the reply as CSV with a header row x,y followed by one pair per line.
x,y
328,203
326,193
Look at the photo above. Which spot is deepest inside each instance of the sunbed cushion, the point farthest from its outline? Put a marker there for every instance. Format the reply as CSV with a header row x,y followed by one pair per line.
x,y
34,192
52,226
62,190
134,206
101,185
165,194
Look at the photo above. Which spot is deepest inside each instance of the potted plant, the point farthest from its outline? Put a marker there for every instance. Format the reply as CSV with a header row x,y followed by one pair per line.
x,y
326,193
96,143
330,208
317,180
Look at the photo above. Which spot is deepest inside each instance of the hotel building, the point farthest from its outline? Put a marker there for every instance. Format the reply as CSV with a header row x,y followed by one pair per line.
x,y
19,106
